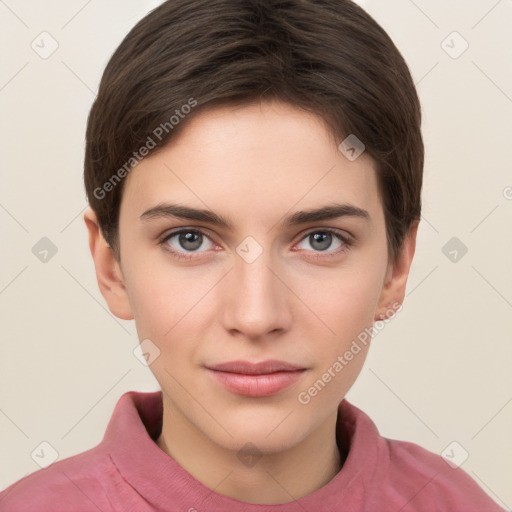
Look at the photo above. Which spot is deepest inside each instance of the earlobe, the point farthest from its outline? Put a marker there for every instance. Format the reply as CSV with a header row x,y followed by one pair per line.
x,y
108,271
393,291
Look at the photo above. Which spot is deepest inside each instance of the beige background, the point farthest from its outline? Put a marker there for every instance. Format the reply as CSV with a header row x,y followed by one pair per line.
x,y
438,373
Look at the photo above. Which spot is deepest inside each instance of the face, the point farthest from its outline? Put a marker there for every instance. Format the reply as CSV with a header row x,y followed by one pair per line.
x,y
250,278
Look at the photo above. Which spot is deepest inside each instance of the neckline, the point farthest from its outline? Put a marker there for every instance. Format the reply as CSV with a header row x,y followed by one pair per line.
x,y
160,479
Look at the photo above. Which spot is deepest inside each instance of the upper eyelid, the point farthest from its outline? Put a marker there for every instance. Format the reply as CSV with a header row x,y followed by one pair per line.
x,y
344,237
185,229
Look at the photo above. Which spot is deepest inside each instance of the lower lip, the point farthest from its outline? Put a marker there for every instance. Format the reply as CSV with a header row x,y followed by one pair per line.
x,y
257,385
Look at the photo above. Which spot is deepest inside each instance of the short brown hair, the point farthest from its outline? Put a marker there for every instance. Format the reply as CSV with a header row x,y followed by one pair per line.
x,y
328,57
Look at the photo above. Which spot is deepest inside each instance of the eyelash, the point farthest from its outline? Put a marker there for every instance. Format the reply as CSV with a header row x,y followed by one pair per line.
x,y
347,243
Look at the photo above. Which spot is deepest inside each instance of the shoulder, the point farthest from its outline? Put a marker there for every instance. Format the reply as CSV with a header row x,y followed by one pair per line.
x,y
427,480
74,483
400,475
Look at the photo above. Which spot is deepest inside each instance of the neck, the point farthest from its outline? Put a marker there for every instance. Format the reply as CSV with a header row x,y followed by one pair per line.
x,y
270,478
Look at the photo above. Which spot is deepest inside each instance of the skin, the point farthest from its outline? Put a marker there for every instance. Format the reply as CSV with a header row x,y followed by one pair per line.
x,y
253,165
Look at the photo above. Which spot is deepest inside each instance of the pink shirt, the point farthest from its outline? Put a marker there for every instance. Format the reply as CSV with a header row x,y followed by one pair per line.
x,y
128,472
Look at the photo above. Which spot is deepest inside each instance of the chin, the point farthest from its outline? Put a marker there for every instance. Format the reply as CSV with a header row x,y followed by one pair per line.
x,y
267,434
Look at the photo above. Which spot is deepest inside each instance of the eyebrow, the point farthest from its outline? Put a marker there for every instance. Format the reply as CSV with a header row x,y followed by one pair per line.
x,y
334,211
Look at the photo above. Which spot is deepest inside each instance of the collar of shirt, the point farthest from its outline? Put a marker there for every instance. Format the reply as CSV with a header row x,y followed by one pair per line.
x,y
136,423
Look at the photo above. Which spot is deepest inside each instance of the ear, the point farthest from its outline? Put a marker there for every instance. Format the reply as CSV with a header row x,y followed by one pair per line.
x,y
108,271
393,291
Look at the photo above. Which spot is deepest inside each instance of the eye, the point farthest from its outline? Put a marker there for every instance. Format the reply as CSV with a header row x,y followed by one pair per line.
x,y
186,241
325,240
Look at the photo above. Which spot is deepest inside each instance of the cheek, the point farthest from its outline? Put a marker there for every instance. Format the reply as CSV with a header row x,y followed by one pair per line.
x,y
156,295
345,303
171,305
346,307
164,311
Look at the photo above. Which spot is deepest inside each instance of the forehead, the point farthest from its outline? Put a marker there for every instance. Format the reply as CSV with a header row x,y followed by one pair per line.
x,y
258,158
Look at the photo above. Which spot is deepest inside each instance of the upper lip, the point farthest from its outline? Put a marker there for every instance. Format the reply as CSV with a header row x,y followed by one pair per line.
x,y
248,368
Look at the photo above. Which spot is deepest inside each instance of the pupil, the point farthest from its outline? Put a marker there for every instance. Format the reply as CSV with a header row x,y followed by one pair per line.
x,y
324,239
190,240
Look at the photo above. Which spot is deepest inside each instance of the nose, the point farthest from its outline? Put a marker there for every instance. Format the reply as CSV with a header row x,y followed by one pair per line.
x,y
256,301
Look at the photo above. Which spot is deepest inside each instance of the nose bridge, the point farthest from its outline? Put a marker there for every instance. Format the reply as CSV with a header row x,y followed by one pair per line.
x,y
257,302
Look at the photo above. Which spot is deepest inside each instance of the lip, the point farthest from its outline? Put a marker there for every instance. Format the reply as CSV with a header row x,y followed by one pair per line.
x,y
261,368
256,379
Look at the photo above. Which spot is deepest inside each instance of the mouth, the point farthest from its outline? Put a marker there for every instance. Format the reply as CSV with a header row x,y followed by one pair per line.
x,y
261,379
